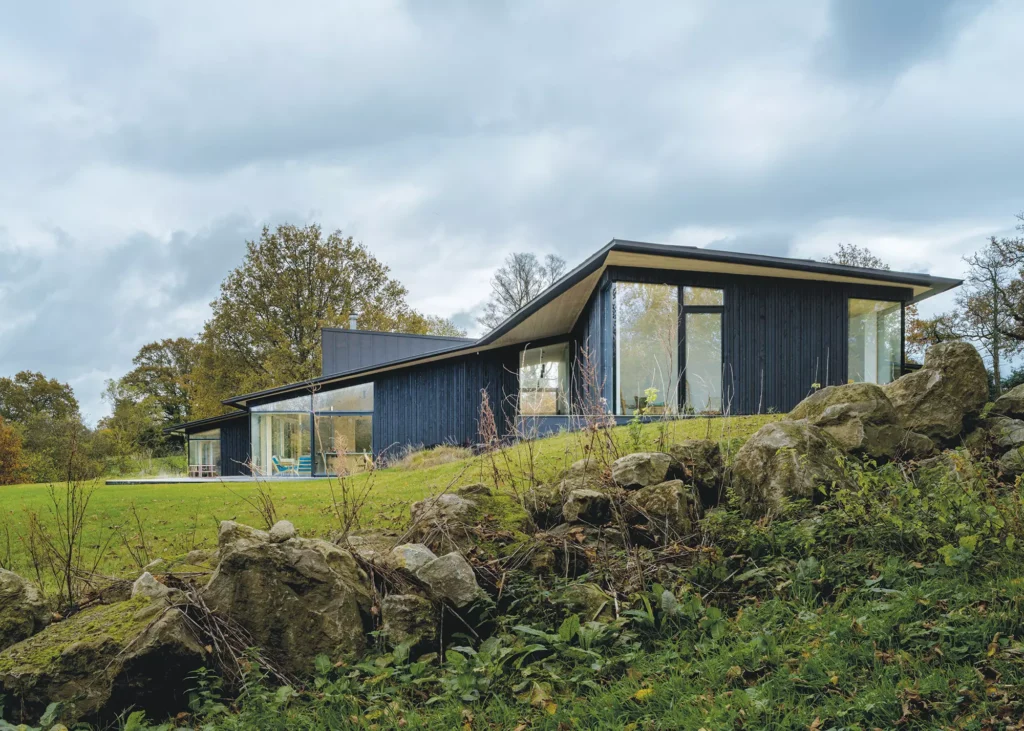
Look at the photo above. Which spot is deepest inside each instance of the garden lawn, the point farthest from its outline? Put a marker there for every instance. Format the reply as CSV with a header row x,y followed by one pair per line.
x,y
179,517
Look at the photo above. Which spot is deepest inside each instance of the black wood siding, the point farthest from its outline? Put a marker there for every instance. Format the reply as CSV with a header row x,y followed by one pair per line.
x,y
779,335
439,403
235,446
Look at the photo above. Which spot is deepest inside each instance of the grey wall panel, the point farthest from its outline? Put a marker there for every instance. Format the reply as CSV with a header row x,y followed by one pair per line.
x,y
439,403
347,350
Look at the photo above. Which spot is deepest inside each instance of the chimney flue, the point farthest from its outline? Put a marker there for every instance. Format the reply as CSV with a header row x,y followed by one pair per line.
x,y
353,321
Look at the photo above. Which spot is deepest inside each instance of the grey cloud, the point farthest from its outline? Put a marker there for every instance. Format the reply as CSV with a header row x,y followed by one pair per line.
x,y
877,39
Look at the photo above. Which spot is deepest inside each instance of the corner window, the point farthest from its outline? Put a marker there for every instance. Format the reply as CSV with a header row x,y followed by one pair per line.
x,y
544,380
204,454
646,348
351,398
874,341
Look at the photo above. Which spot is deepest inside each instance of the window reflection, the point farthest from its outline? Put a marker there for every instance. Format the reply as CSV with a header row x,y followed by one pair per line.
x,y
647,347
874,341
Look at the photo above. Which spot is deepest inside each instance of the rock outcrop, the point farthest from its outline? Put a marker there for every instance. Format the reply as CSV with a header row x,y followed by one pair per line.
x,y
450,578
641,469
298,598
784,460
863,422
949,389
451,521
22,610
666,510
134,654
409,619
587,506
701,465
1010,404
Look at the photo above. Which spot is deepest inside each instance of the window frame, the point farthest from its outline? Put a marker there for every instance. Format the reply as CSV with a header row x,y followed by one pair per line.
x,y
566,397
683,310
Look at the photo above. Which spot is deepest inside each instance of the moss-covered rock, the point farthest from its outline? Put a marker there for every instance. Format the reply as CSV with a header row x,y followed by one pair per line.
x,y
22,609
782,461
456,521
1010,404
297,599
936,401
587,506
641,469
103,660
450,578
409,619
701,466
666,510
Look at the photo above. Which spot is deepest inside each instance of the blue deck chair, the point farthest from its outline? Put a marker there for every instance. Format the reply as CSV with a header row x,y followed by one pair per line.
x,y
280,469
305,465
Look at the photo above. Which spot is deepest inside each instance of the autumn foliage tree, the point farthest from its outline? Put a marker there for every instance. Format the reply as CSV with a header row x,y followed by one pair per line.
x,y
12,458
265,326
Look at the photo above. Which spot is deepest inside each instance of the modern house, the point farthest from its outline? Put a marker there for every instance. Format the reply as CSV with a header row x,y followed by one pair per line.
x,y
669,330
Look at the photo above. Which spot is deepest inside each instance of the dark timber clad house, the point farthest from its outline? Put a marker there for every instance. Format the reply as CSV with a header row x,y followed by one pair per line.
x,y
669,330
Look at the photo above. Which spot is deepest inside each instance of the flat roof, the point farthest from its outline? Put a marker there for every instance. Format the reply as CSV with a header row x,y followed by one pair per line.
x,y
208,421
572,292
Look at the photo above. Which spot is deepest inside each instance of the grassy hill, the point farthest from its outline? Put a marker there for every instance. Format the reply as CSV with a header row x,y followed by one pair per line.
x,y
179,517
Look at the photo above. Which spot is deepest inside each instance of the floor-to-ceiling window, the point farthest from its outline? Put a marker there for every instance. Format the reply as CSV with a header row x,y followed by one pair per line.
x,y
544,380
280,434
343,432
646,347
874,341
702,333
649,320
326,433
204,454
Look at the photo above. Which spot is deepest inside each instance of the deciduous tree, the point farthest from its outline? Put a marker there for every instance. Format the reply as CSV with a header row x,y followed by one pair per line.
x,y
518,281
13,468
30,393
265,326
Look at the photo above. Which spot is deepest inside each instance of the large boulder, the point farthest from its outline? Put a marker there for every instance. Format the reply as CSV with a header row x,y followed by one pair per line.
x,y
135,654
22,609
297,599
409,619
1010,404
784,460
641,469
370,545
454,521
1005,433
950,388
450,578
863,422
666,510
702,466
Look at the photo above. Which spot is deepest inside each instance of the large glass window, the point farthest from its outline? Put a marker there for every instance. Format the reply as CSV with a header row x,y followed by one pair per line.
x,y
281,444
204,454
352,398
544,380
704,362
343,443
296,403
874,341
647,347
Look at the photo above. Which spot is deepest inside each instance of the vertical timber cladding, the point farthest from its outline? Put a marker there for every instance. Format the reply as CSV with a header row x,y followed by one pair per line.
x,y
439,403
780,336
235,446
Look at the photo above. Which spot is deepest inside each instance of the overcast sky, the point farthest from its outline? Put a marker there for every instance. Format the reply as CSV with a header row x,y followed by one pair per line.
x,y
141,144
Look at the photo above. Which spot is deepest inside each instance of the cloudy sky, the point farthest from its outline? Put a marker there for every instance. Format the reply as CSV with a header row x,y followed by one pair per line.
x,y
141,144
